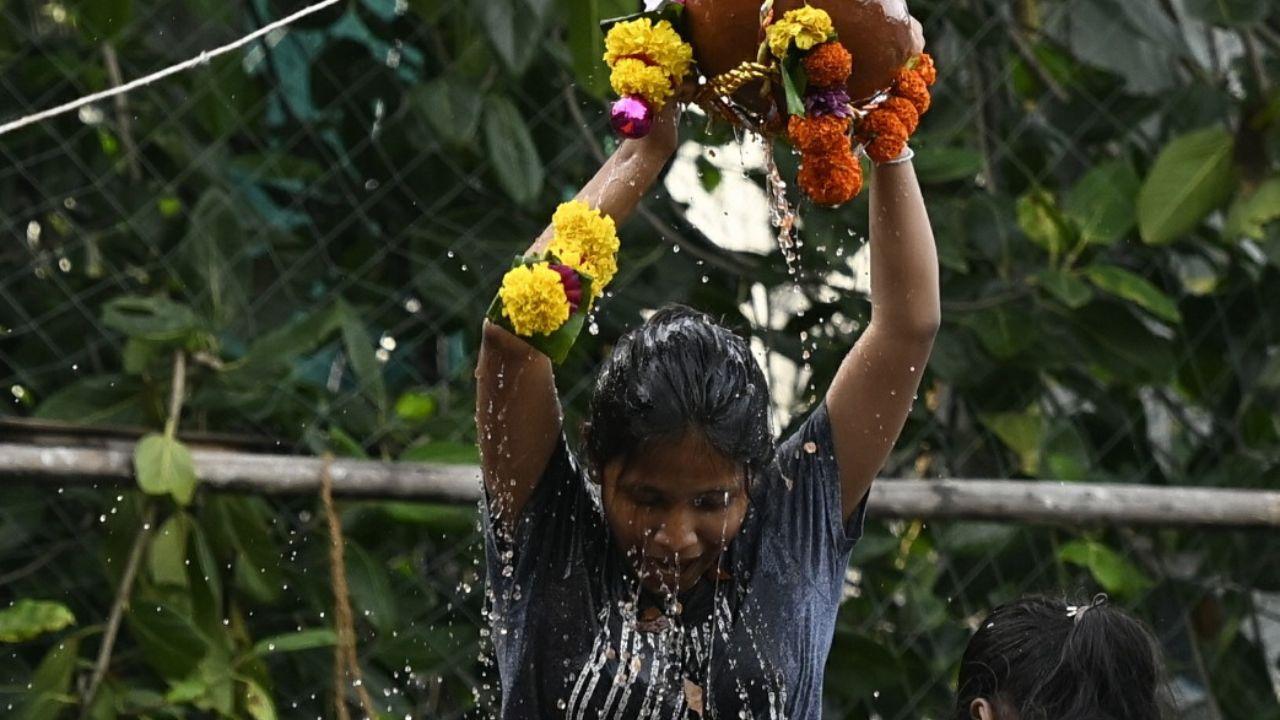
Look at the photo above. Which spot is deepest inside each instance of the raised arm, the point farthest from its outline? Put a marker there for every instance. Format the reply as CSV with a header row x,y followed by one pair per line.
x,y
872,392
518,416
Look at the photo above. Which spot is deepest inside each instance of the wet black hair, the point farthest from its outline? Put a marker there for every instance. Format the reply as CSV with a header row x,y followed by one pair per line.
x,y
679,372
1048,659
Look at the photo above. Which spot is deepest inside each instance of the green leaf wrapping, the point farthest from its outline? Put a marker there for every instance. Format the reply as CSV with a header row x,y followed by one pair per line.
x,y
557,344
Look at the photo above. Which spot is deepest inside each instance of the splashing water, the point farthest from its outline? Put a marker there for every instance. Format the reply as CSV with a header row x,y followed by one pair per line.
x,y
781,214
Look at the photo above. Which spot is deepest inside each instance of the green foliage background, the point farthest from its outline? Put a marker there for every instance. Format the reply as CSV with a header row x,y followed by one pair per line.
x,y
316,224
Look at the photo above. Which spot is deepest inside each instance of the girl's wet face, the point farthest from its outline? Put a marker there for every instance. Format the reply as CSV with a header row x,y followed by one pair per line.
x,y
674,509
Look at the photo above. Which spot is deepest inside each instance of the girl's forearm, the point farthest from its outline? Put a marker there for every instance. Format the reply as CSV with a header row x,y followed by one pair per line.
x,y
904,260
620,183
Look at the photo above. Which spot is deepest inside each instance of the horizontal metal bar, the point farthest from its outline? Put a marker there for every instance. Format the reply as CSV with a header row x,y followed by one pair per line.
x,y
1021,501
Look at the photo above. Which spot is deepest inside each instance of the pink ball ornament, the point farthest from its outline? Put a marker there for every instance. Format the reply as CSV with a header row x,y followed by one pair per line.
x,y
631,117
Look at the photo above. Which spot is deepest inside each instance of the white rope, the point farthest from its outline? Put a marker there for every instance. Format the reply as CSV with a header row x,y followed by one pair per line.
x,y
204,57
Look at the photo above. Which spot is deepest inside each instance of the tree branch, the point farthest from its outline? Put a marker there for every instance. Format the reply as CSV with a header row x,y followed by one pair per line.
x,y
140,543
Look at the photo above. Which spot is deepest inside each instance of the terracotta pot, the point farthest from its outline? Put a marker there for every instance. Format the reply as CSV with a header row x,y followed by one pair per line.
x,y
725,33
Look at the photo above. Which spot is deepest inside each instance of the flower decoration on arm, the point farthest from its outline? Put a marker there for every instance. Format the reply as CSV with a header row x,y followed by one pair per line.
x,y
648,59
545,298
884,130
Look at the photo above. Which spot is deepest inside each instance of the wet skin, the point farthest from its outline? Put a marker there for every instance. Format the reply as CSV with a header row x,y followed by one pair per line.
x,y
673,510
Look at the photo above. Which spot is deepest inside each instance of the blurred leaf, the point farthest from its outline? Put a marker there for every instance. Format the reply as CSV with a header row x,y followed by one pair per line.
x,y
296,641
415,406
104,20
150,318
167,554
451,108
1067,287
1135,289
1230,13
1003,331
1040,219
1112,572
27,619
171,642
586,46
214,240
443,451
1022,432
440,518
370,588
1250,213
99,399
164,467
512,30
49,691
1192,176
514,158
947,164
1102,204
257,702
364,361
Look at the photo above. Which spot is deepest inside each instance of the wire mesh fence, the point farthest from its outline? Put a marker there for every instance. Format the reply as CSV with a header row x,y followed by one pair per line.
x,y
316,225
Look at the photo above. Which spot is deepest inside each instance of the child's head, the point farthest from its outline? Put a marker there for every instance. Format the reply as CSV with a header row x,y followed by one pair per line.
x,y
678,427
1043,659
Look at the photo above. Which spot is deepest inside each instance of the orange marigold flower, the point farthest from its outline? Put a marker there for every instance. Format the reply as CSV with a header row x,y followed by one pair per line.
x,y
926,69
825,133
911,86
828,64
883,134
830,179
904,111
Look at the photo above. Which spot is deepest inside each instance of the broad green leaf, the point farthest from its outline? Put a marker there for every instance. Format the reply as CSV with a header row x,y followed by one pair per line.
x,y
100,400
167,555
450,107
1103,203
1066,287
586,46
1135,289
1192,176
370,585
1065,452
206,581
295,641
27,619
1112,572
139,355
171,642
50,687
512,30
151,318
164,467
1023,432
238,527
364,361
211,687
512,155
1251,213
415,406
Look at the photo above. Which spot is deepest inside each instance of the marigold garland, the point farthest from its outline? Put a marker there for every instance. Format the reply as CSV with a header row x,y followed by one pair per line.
x,y
830,180
904,111
533,299
883,135
925,68
911,86
647,61
804,26
828,64
587,241
818,134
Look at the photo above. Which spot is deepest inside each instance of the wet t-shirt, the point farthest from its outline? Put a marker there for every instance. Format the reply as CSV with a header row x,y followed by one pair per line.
x,y
574,637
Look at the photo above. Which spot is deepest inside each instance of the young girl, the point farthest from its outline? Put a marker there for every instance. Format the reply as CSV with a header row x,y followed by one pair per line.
x,y
685,568
1042,659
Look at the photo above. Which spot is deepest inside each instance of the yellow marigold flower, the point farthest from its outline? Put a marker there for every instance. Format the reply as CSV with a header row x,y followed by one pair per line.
x,y
633,77
659,42
805,26
533,299
587,241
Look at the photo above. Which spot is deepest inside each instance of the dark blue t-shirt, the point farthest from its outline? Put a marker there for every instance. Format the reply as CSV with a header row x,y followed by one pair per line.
x,y
575,637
